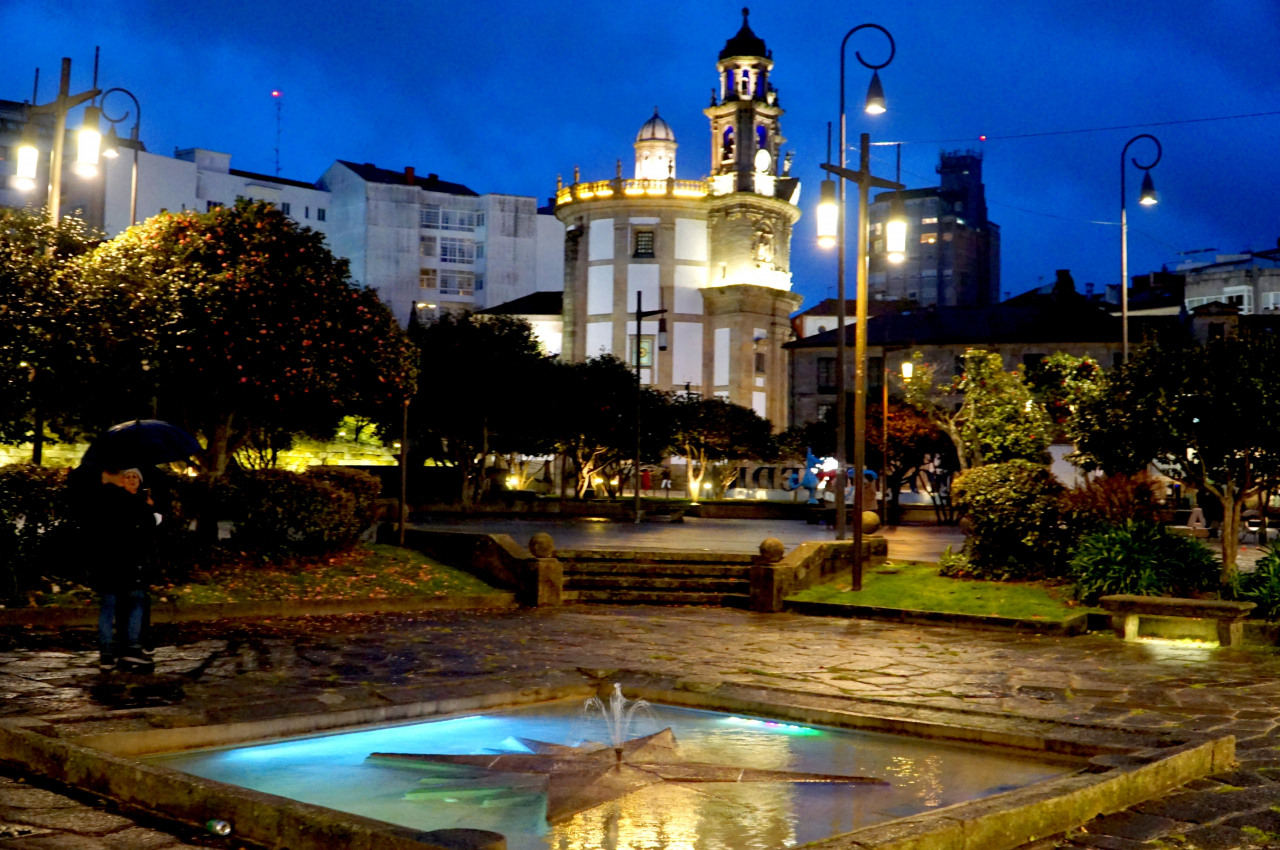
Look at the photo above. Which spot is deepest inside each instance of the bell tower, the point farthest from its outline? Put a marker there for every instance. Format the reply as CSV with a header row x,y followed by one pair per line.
x,y
745,133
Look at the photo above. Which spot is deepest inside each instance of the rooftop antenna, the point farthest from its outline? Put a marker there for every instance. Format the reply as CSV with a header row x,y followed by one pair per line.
x,y
279,102
96,52
35,89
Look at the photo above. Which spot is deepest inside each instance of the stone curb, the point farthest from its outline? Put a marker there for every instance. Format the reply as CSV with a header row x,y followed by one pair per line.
x,y
1076,624
87,615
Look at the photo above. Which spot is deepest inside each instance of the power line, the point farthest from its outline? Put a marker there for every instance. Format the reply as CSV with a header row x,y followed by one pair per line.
x,y
990,138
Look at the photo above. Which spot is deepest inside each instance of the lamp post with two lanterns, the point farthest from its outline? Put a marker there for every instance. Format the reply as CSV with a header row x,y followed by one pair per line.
x,y
831,220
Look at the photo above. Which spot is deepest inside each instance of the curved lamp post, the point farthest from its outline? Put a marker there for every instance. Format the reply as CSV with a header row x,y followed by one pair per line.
x,y
874,105
1146,197
113,144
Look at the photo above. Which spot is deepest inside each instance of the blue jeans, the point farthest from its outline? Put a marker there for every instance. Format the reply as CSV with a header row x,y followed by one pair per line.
x,y
120,609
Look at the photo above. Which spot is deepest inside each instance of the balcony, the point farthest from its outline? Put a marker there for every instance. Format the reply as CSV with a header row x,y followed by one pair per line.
x,y
634,188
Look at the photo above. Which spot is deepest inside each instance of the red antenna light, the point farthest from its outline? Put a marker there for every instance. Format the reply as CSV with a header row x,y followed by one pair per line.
x,y
275,93
982,138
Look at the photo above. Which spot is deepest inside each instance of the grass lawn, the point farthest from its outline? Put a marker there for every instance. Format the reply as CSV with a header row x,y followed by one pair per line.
x,y
919,587
369,571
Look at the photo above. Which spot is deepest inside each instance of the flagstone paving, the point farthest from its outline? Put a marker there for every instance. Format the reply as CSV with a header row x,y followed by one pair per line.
x,y
232,670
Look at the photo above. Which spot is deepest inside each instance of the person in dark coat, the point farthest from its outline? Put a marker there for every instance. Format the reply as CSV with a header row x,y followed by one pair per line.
x,y
121,527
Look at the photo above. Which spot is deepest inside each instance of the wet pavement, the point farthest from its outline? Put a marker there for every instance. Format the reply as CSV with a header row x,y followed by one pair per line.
x,y
222,672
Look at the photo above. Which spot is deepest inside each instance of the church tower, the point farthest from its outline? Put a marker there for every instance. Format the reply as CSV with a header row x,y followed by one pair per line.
x,y
714,252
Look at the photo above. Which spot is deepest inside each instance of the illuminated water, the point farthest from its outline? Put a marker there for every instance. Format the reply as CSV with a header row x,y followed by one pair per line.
x,y
332,771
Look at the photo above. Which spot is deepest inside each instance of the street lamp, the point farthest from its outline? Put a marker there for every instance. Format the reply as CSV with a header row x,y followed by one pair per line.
x,y
828,217
89,140
113,143
1147,198
28,164
875,105
642,314
88,143
895,230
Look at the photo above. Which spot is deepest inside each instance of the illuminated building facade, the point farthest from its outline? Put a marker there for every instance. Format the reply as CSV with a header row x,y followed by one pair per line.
x,y
713,252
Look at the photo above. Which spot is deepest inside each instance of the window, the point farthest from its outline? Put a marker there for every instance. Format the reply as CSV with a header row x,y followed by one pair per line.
x,y
429,215
928,238
320,213
646,350
453,250
284,207
427,279
464,220
479,282
878,246
457,283
644,243
306,212
479,219
826,375
1271,300
876,228
210,206
427,246
479,250
957,366
933,219
760,363
824,411
1239,296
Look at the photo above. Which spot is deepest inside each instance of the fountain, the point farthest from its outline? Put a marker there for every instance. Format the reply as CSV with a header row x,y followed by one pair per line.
x,y
582,777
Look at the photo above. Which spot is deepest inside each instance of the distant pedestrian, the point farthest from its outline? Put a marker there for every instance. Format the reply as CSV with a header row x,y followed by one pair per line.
x,y
646,480
666,481
121,527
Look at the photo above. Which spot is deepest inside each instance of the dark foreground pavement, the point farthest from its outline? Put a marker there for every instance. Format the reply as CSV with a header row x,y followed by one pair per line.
x,y
229,671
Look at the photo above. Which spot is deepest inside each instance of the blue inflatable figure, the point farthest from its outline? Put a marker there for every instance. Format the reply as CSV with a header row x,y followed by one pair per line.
x,y
810,480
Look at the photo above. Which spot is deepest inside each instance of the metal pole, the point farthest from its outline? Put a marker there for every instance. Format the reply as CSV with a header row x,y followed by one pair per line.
x,y
842,414
404,471
1124,268
133,189
639,395
59,143
860,350
884,436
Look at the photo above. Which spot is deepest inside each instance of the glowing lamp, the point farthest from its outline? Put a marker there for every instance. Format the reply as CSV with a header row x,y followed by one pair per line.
x,y
908,369
662,333
1147,197
111,144
875,96
28,161
88,143
895,229
828,215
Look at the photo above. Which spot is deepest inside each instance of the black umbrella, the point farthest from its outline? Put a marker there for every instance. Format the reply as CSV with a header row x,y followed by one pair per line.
x,y
140,443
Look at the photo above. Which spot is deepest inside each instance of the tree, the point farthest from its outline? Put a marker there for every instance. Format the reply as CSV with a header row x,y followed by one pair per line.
x,y
595,419
242,324
711,433
484,387
998,419
38,347
913,438
1061,383
1206,416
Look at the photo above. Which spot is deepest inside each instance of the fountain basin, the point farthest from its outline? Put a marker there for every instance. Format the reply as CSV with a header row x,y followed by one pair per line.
x,y
1128,766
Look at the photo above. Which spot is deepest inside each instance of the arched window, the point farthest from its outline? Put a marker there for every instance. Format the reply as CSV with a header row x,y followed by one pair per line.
x,y
762,138
728,147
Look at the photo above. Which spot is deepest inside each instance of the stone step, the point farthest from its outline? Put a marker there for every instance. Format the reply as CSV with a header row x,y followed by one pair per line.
x,y
654,556
653,597
701,585
572,568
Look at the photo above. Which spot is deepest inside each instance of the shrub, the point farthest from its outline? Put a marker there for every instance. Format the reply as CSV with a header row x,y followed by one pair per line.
x,y
34,514
1262,585
360,484
1111,500
954,564
279,513
1013,509
1141,558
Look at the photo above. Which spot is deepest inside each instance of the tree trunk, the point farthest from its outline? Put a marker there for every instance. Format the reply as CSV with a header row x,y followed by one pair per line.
x,y
1232,508
219,451
694,460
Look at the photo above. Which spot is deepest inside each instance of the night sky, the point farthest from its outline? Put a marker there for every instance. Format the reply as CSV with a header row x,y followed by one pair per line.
x,y
503,96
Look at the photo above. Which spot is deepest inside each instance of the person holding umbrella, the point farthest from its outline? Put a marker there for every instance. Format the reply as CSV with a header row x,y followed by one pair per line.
x,y
121,526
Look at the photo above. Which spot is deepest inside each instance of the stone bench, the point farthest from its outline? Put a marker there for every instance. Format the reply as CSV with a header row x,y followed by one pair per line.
x,y
1125,610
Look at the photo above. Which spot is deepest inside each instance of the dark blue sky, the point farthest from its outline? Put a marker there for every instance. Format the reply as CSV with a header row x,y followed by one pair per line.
x,y
504,95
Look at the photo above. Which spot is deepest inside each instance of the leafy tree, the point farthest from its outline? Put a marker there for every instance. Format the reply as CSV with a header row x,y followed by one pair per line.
x,y
40,386
913,439
1206,416
242,324
998,419
712,433
484,387
595,419
1062,383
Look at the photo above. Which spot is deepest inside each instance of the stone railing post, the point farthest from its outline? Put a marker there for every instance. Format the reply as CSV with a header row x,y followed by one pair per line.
x,y
544,581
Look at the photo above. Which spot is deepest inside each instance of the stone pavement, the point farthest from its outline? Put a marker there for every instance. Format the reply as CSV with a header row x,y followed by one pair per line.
x,y
229,671
911,542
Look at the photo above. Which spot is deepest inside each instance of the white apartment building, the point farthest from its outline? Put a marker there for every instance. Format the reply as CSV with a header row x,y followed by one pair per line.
x,y
432,245
1249,281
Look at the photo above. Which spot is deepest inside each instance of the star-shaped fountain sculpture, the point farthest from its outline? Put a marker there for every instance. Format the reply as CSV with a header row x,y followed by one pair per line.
x,y
579,778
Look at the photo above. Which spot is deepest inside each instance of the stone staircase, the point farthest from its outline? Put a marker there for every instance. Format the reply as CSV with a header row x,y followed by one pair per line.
x,y
657,577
